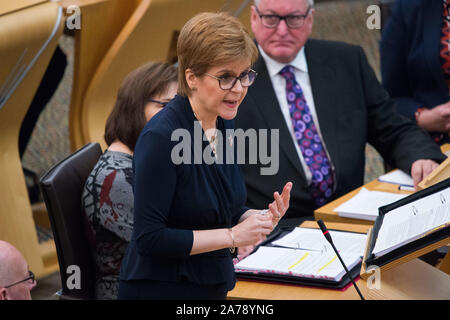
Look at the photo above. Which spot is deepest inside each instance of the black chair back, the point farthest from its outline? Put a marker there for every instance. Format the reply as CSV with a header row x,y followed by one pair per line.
x,y
62,188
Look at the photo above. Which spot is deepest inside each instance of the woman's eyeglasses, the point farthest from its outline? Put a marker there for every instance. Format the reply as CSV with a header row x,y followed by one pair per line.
x,y
292,21
158,102
228,82
30,277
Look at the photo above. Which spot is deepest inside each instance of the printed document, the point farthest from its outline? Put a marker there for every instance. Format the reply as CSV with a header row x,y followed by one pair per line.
x,y
313,239
413,221
301,263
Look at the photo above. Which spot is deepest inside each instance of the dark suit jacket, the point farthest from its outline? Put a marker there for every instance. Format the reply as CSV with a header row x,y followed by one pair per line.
x,y
352,109
410,62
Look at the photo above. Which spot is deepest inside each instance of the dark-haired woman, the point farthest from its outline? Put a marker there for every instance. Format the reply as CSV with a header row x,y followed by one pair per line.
x,y
108,200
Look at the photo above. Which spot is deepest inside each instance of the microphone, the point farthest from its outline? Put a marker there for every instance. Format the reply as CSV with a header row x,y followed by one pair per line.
x,y
328,237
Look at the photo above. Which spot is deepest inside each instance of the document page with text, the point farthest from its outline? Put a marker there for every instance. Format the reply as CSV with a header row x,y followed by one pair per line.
x,y
413,221
301,263
313,239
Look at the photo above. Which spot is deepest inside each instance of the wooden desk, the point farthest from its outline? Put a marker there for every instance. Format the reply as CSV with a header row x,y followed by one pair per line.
x,y
327,214
445,148
25,51
410,281
16,5
413,280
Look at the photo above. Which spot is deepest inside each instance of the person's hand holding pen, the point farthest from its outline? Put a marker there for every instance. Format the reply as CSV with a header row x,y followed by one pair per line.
x,y
252,230
277,209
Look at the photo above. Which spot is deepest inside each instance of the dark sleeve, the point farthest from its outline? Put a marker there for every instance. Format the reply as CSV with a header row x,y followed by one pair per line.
x,y
243,209
399,140
394,67
238,214
155,181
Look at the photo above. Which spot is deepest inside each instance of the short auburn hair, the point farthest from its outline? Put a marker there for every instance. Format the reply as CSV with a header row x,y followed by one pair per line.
x,y
127,118
208,40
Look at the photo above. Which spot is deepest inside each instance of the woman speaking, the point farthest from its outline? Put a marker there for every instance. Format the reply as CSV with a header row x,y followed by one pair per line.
x,y
189,214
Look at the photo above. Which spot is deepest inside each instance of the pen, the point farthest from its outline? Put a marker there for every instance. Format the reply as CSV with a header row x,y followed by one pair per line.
x,y
406,188
269,239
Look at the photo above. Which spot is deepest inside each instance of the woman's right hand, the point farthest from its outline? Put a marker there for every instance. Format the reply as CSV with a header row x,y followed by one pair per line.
x,y
436,119
252,230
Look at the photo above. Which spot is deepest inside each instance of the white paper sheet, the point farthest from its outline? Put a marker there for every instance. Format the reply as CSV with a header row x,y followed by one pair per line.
x,y
412,221
302,263
313,239
397,177
364,205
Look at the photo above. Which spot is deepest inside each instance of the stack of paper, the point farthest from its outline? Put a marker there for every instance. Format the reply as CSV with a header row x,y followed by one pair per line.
x,y
397,177
365,204
306,253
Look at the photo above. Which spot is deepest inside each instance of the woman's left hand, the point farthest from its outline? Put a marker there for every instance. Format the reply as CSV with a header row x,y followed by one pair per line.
x,y
281,203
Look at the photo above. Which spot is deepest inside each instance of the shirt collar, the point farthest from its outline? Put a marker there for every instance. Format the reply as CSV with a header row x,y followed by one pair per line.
x,y
274,67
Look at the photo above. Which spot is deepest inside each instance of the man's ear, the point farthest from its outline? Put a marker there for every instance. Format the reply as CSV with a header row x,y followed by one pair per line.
x,y
191,79
253,17
3,294
310,19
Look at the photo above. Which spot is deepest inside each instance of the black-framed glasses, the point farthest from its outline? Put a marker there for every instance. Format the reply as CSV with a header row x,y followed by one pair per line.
x,y
292,21
30,277
227,82
158,102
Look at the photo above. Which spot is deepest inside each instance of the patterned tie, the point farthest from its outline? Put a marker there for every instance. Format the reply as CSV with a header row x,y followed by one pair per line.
x,y
308,139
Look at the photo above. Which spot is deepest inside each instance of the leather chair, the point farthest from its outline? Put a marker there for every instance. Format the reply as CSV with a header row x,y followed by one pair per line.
x,y
62,188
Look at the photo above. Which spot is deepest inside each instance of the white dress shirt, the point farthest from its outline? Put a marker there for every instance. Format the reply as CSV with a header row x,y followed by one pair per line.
x,y
279,84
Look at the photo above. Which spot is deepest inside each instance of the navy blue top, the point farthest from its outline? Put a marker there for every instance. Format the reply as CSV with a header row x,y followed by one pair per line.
x,y
410,59
173,199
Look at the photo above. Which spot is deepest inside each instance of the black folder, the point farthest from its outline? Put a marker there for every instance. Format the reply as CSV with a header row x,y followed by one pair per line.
x,y
296,280
411,247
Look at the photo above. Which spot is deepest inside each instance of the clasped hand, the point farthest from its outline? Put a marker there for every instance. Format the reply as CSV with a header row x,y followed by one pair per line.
x,y
256,226
436,119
